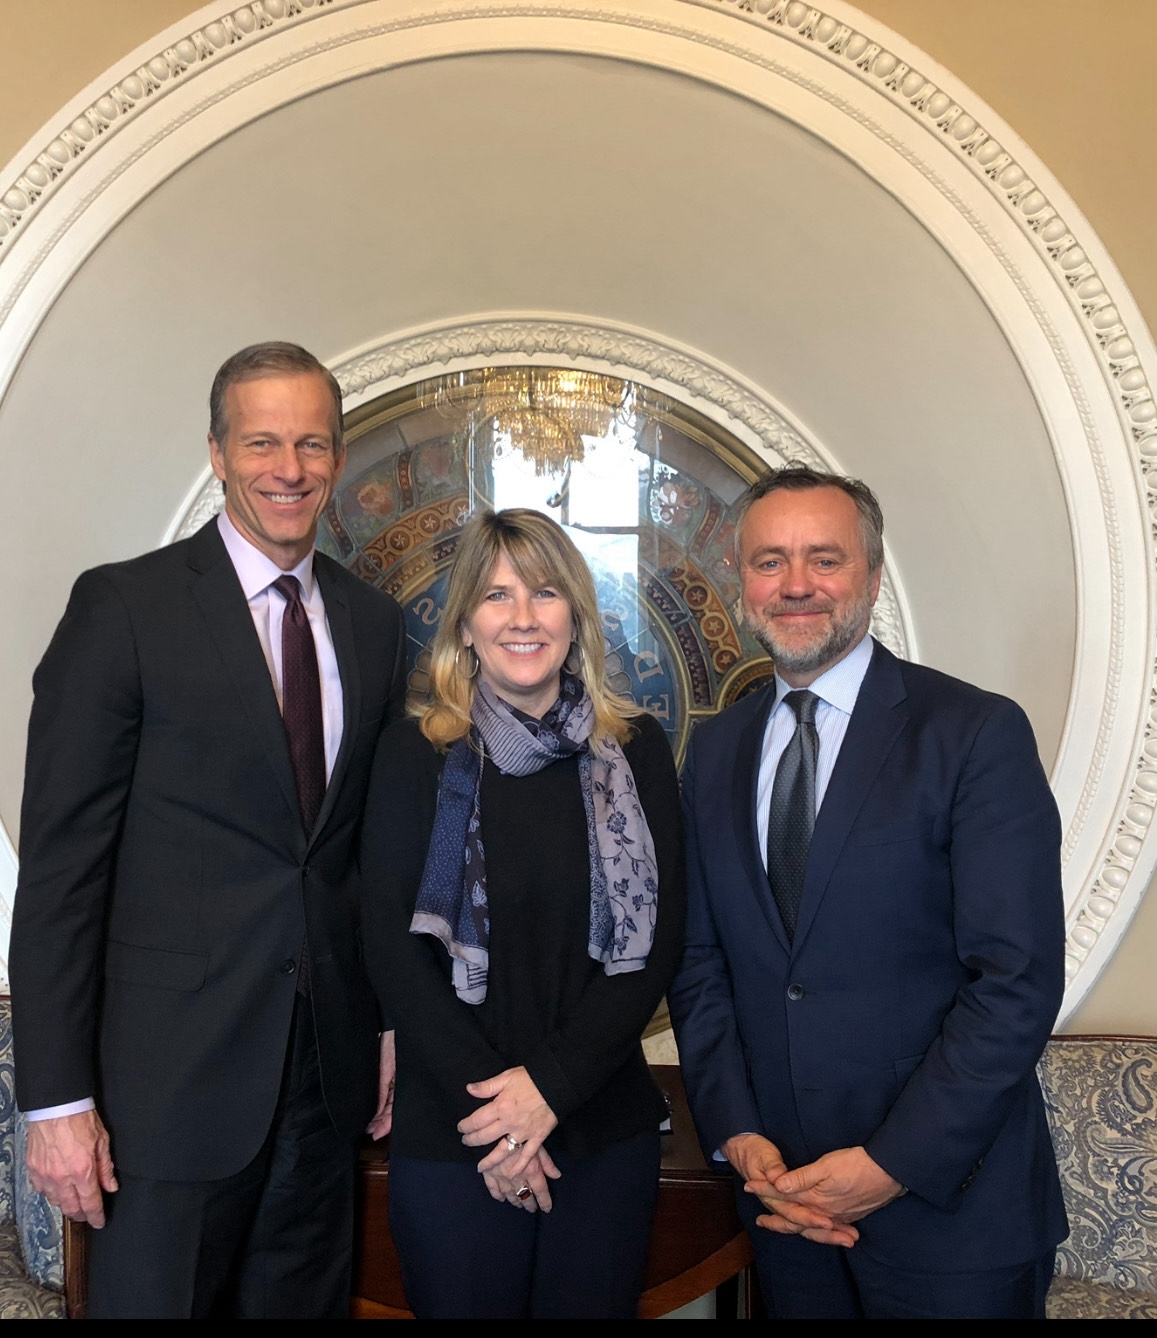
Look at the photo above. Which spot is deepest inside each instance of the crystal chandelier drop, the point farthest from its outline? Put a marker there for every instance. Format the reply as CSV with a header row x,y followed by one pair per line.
x,y
541,412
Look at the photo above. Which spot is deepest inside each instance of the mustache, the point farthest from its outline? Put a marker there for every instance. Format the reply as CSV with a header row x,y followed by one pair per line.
x,y
798,606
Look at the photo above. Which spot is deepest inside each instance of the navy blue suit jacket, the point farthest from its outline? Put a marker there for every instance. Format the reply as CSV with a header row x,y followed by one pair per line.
x,y
924,977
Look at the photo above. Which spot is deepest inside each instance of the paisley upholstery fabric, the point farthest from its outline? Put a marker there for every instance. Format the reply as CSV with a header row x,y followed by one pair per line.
x,y
1101,1097
31,1245
38,1224
20,1297
7,1117
1070,1298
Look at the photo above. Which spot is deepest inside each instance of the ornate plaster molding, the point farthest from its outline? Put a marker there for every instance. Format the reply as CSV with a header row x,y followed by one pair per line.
x,y
928,140
102,114
601,346
998,160
705,386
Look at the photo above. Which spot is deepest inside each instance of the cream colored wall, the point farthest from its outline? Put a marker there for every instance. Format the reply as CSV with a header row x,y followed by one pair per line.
x,y
1071,78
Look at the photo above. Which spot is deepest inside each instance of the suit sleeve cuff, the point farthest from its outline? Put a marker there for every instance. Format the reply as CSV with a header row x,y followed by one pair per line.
x,y
889,1156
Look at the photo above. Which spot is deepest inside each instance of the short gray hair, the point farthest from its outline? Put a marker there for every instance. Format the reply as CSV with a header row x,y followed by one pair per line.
x,y
272,358
796,477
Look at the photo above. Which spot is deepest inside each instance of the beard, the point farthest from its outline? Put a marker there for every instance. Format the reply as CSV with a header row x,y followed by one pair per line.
x,y
825,647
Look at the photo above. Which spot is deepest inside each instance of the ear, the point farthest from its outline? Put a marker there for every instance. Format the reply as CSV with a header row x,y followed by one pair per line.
x,y
874,583
216,458
467,639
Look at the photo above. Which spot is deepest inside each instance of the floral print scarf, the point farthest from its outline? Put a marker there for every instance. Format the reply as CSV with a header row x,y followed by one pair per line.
x,y
453,902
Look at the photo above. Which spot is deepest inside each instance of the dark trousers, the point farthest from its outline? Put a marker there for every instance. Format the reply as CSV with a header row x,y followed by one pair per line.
x,y
802,1280
273,1241
465,1255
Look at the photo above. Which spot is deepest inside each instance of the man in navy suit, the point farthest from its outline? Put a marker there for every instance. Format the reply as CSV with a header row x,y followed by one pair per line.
x,y
189,1001
859,1027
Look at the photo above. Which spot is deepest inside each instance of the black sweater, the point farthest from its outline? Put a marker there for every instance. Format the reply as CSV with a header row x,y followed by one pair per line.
x,y
549,1006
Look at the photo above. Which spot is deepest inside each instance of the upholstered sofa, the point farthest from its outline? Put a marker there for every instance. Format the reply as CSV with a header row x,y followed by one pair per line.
x,y
31,1238
1101,1097
1100,1094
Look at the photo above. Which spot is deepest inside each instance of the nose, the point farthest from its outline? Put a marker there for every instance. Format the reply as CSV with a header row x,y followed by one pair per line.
x,y
287,465
797,581
522,613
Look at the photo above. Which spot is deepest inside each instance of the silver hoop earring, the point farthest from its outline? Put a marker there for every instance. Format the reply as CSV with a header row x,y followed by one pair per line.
x,y
474,668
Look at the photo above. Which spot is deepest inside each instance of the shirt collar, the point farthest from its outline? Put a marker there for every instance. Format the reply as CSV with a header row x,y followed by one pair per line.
x,y
255,571
839,686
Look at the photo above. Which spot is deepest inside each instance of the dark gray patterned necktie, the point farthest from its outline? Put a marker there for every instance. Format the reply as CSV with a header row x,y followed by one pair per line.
x,y
793,810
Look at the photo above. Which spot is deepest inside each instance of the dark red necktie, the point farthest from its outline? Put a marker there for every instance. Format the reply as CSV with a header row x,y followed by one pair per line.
x,y
301,702
301,711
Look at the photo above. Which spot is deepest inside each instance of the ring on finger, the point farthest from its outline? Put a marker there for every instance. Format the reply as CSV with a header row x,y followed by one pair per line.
x,y
512,1143
522,1193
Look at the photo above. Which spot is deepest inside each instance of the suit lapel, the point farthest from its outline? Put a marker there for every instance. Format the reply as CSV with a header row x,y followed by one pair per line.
x,y
341,629
229,624
744,800
879,716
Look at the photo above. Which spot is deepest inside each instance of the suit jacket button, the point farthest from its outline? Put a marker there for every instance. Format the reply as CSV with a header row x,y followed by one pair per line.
x,y
305,870
795,992
288,967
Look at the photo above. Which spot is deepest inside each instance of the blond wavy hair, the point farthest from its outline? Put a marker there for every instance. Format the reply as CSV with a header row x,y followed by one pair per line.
x,y
543,555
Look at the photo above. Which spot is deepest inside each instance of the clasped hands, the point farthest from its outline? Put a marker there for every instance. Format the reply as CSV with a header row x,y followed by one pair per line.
x,y
514,1112
819,1201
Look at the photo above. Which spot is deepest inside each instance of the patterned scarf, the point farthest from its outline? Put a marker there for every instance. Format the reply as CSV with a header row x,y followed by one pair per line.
x,y
452,900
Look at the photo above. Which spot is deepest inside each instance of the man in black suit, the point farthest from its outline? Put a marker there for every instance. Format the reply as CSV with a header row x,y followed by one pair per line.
x,y
861,1005
189,1000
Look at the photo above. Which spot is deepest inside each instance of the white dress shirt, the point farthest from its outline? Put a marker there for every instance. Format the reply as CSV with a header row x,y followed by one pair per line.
x,y
256,572
837,689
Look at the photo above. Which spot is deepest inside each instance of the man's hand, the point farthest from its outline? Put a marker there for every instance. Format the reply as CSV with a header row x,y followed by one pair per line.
x,y
846,1185
70,1164
383,1119
762,1167
515,1111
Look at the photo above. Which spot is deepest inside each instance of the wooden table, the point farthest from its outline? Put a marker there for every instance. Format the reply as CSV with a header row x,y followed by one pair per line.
x,y
697,1242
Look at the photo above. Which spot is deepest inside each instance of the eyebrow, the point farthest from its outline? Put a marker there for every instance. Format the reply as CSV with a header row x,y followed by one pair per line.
x,y
268,433
810,551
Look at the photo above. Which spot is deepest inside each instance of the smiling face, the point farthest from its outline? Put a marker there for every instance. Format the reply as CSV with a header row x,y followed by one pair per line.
x,y
807,588
521,634
278,462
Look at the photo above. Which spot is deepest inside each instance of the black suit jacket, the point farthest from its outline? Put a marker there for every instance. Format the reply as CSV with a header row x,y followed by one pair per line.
x,y
925,973
166,883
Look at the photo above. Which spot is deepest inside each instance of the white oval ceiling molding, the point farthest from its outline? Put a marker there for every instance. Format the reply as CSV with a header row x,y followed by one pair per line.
x,y
850,82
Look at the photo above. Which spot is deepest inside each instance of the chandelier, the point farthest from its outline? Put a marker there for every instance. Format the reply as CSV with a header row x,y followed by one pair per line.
x,y
541,412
